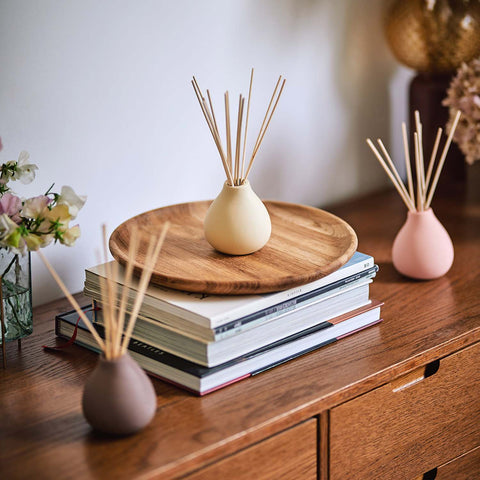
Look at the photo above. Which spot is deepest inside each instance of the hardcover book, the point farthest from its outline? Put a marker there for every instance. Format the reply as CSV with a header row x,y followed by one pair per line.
x,y
316,314
187,310
203,380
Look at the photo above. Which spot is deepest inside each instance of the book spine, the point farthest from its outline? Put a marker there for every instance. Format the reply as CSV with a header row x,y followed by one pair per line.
x,y
287,295
308,298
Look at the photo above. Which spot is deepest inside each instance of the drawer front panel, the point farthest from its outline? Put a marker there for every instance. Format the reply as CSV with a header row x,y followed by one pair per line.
x,y
412,425
290,454
467,467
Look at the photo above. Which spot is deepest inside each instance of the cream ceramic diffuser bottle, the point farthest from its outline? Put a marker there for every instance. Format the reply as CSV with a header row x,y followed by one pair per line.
x,y
237,222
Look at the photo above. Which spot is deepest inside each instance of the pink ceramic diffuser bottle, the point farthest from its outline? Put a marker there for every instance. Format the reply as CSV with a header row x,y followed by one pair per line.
x,y
422,248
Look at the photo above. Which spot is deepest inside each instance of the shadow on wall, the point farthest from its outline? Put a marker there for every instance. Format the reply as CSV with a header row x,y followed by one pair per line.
x,y
363,79
351,75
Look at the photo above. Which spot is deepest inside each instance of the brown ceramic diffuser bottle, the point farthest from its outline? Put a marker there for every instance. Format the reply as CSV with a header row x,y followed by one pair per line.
x,y
119,398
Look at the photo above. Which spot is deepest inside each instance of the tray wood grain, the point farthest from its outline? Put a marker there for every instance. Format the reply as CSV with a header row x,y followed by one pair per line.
x,y
306,244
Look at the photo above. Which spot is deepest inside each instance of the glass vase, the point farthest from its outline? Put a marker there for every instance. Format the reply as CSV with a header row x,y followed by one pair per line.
x,y
16,296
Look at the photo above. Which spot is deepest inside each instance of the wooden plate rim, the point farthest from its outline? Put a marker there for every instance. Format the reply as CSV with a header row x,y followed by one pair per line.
x,y
243,286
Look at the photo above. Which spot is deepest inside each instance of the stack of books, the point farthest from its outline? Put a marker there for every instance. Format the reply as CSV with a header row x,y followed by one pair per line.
x,y
205,342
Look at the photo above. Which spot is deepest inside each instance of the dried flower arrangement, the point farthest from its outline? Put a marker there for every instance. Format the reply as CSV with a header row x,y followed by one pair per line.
x,y
464,95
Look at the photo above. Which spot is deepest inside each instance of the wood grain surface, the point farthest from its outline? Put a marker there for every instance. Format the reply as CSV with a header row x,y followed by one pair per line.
x,y
43,434
428,421
296,447
306,243
467,467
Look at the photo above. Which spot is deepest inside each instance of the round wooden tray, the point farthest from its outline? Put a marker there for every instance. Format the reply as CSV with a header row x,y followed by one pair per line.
x,y
306,244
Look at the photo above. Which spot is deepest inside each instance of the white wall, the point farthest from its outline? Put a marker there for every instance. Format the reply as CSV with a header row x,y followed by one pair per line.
x,y
99,93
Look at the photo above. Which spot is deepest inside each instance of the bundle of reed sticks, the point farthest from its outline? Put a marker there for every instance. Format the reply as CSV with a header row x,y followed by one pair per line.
x,y
117,332
234,161
425,183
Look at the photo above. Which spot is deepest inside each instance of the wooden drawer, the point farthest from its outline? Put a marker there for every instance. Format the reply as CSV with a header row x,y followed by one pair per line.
x,y
290,454
466,467
411,425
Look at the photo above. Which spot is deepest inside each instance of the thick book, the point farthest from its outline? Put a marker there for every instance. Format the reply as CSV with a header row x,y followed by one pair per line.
x,y
203,380
182,326
187,310
214,353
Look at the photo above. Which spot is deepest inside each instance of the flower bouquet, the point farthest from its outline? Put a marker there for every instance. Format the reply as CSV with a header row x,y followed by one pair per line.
x,y
27,224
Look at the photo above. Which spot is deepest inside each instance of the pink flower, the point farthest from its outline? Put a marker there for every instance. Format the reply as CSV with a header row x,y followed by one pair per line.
x,y
11,205
35,207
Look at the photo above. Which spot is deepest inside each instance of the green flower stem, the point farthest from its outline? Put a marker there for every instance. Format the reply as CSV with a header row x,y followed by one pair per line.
x,y
8,267
20,325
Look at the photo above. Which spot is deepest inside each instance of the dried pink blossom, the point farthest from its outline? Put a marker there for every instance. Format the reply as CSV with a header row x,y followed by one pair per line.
x,y
464,95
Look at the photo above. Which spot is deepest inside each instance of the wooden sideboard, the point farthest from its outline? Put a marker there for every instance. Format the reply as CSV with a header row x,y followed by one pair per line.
x,y
400,400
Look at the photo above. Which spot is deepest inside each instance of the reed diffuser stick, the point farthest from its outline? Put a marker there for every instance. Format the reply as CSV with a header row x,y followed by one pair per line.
x,y
109,294
234,165
408,166
211,126
395,172
246,125
432,161
228,130
442,159
421,162
213,113
151,259
72,300
114,320
107,319
132,249
266,113
423,200
238,142
260,138
389,173
419,173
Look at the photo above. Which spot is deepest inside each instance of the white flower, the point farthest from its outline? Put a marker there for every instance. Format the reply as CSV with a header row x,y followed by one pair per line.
x,y
7,226
25,171
34,207
70,236
73,201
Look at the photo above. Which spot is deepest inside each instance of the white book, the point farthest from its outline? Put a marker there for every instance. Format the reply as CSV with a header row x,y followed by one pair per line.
x,y
212,311
211,354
